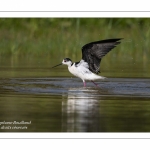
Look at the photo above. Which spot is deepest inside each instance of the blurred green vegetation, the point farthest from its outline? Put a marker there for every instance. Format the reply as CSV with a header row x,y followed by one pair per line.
x,y
65,36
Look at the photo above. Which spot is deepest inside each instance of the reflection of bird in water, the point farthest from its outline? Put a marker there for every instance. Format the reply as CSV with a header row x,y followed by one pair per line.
x,y
81,111
89,66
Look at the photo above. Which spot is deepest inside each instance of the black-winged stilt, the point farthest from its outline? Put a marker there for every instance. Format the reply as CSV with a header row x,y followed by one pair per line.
x,y
89,66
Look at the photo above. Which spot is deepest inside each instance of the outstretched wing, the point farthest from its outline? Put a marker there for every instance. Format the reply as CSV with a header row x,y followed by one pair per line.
x,y
93,52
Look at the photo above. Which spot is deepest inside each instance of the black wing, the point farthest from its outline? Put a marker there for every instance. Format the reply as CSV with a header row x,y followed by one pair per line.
x,y
93,52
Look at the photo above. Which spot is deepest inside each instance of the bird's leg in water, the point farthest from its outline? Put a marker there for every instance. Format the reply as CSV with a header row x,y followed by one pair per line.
x,y
94,83
84,83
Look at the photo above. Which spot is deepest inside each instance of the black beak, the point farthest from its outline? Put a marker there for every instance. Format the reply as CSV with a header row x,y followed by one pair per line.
x,y
57,65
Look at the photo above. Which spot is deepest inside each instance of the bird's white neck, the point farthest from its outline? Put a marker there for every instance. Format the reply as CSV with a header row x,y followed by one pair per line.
x,y
70,65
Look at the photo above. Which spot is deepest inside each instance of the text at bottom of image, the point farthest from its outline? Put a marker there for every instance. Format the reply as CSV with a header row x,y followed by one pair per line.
x,y
14,125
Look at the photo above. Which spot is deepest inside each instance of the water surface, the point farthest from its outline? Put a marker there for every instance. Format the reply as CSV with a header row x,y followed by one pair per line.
x,y
34,98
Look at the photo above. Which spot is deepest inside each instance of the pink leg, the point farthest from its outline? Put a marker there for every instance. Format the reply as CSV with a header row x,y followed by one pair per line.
x,y
94,83
84,83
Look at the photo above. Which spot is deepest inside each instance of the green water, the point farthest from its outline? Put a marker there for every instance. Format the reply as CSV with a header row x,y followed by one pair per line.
x,y
52,100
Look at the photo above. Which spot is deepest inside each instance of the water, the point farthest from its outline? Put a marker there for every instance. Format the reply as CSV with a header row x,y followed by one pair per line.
x,y
34,98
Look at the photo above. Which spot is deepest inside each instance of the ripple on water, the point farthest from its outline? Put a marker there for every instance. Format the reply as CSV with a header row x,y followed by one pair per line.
x,y
58,86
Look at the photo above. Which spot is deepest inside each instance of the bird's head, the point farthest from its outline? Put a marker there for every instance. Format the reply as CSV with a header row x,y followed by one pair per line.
x,y
66,61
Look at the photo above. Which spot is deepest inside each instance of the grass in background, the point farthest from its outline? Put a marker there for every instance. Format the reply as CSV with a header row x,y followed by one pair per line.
x,y
64,37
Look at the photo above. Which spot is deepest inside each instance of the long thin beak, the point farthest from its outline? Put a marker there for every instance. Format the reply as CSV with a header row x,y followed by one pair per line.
x,y
57,65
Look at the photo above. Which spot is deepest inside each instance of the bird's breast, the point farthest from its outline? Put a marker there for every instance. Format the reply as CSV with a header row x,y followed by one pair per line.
x,y
73,70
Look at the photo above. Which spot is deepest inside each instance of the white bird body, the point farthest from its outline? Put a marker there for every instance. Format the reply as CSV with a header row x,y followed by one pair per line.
x,y
82,71
92,54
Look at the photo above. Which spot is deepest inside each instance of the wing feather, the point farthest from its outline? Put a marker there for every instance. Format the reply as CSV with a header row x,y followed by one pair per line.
x,y
93,52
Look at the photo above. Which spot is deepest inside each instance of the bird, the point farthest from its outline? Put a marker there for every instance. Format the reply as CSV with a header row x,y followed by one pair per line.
x,y
88,67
